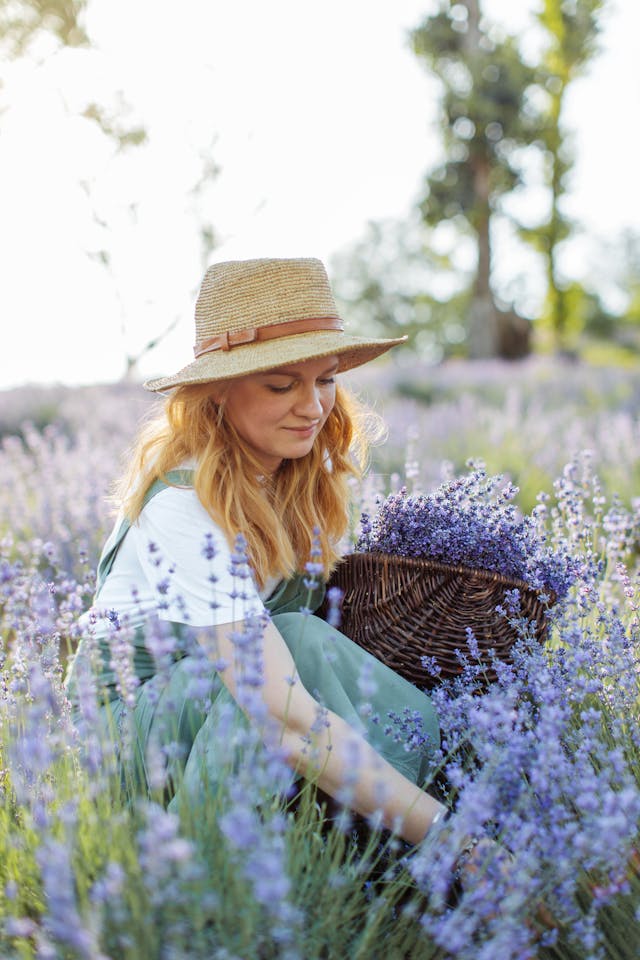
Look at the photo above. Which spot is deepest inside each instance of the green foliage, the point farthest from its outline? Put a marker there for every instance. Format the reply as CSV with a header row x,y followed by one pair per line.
x,y
571,29
626,265
404,278
386,285
22,21
484,122
111,123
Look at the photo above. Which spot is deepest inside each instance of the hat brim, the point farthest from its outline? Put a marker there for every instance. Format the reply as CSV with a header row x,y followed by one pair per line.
x,y
255,357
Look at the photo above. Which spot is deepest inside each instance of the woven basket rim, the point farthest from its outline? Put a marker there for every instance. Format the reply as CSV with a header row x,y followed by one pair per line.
x,y
459,568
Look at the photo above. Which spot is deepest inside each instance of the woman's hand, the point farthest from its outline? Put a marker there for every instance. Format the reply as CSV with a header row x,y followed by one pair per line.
x,y
325,751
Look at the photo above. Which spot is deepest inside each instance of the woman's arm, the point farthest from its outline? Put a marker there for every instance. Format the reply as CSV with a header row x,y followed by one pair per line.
x,y
327,755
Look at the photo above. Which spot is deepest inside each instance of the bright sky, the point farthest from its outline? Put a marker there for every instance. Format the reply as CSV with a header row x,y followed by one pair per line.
x,y
319,117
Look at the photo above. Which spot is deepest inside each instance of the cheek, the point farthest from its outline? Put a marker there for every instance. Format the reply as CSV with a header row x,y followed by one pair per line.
x,y
270,410
328,403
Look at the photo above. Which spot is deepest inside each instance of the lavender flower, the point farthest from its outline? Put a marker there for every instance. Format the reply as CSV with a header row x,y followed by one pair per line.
x,y
470,521
62,920
314,568
334,601
408,728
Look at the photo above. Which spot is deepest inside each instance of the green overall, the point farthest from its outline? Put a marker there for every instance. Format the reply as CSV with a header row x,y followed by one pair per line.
x,y
330,666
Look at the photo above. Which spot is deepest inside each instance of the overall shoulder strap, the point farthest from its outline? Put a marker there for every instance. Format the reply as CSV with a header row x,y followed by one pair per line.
x,y
174,478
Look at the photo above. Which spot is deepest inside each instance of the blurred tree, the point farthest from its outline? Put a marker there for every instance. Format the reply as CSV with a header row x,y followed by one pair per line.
x,y
630,278
488,117
393,283
613,287
501,132
23,21
571,29
37,29
25,28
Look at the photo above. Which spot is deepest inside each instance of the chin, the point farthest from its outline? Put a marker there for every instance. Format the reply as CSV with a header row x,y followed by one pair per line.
x,y
299,455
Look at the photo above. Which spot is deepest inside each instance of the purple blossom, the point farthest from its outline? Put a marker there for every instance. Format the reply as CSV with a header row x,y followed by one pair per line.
x,y
314,567
239,565
122,652
408,728
209,549
470,521
62,920
334,601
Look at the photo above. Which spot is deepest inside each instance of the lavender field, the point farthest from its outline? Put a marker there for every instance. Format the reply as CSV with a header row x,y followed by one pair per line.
x,y
546,757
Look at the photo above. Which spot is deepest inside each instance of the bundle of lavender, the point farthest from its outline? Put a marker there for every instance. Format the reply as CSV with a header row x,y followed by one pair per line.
x,y
471,521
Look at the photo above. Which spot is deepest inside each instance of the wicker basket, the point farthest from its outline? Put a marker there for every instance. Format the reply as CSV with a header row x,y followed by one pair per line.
x,y
401,609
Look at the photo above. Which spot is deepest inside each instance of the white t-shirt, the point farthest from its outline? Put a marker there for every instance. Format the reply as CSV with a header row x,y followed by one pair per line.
x,y
175,561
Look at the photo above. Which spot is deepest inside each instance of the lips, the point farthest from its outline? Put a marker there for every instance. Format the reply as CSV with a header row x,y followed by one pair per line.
x,y
303,431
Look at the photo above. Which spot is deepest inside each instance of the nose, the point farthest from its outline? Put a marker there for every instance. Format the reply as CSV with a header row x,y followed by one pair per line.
x,y
309,404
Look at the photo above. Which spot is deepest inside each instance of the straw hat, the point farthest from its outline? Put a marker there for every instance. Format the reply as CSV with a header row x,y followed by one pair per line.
x,y
254,315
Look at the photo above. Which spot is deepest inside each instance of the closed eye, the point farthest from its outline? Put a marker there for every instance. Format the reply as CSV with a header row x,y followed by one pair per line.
x,y
274,389
323,382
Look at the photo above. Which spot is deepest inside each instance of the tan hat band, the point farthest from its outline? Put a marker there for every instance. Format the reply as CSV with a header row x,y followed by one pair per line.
x,y
237,338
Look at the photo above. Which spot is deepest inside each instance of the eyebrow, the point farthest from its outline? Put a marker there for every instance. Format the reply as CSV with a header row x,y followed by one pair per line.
x,y
288,372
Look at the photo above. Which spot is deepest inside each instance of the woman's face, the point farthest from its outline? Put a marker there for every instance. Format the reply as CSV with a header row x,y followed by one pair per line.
x,y
279,413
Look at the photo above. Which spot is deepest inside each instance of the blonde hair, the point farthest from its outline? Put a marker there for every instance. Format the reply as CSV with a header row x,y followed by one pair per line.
x,y
281,516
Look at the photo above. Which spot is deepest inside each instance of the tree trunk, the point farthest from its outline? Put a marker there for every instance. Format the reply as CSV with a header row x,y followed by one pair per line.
x,y
483,315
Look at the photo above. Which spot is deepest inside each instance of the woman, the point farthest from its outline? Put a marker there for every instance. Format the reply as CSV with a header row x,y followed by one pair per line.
x,y
255,439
